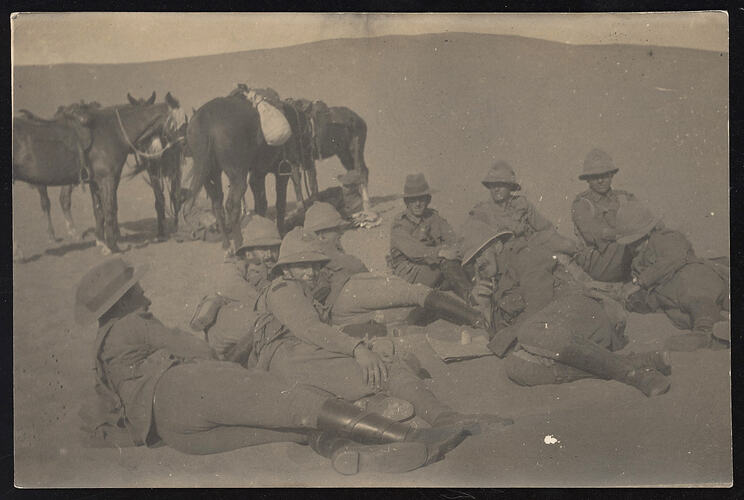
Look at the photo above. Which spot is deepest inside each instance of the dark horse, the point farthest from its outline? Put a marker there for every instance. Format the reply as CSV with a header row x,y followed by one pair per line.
x,y
225,136
40,158
334,131
69,124
162,164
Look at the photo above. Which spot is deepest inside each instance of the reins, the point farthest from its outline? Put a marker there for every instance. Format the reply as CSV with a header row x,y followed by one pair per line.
x,y
137,152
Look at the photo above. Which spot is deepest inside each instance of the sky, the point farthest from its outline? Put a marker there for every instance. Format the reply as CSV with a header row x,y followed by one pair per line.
x,y
56,38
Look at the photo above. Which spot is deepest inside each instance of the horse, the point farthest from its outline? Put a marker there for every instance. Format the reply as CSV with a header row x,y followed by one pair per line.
x,y
225,136
65,116
42,155
335,131
163,164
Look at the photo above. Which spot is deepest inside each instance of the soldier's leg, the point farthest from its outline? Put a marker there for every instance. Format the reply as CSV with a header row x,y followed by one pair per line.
x,y
527,369
612,264
366,293
549,335
192,400
456,279
338,374
699,291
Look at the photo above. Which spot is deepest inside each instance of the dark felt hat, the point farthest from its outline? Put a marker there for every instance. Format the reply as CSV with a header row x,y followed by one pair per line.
x,y
415,186
102,287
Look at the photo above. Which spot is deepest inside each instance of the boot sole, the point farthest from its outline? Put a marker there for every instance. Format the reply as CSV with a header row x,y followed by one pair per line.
x,y
383,458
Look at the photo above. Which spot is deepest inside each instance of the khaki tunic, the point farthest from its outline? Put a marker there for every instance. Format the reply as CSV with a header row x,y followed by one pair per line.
x,y
415,244
594,216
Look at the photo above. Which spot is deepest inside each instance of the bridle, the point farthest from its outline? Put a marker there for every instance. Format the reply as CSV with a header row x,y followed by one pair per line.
x,y
141,154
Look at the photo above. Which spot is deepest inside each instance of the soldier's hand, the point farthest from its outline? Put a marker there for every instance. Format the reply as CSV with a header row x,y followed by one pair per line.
x,y
374,371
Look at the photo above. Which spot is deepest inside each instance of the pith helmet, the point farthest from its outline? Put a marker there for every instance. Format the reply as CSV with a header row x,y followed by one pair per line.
x,y
415,186
323,216
297,249
597,162
633,222
260,232
501,173
476,236
102,287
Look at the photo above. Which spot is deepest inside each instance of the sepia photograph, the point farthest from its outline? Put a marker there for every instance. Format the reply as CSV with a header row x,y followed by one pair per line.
x,y
472,250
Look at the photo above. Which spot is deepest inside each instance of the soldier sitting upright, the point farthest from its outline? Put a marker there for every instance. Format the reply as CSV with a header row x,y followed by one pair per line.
x,y
423,246
594,212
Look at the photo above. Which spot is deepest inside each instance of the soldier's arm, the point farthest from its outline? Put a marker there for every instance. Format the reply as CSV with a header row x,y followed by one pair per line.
x,y
232,282
176,341
591,230
537,220
446,233
290,306
412,248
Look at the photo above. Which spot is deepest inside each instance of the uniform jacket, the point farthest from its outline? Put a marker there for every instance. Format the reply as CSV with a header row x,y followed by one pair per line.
x,y
131,354
418,241
292,315
518,215
335,274
594,216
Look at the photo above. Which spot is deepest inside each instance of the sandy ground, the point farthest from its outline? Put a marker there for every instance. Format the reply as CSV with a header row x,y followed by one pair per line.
x,y
609,433
670,145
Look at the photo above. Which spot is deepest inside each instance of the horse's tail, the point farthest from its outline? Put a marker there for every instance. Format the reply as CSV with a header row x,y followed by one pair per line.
x,y
203,163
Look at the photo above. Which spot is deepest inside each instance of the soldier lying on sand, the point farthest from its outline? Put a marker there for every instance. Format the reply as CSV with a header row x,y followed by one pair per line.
x,y
160,384
571,337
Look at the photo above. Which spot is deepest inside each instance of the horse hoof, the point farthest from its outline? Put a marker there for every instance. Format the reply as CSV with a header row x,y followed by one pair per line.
x,y
106,251
99,243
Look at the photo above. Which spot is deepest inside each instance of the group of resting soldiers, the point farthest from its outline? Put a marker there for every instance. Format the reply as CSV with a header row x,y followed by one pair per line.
x,y
295,345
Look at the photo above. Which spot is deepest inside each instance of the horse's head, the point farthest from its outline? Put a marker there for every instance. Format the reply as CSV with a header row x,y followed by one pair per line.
x,y
168,124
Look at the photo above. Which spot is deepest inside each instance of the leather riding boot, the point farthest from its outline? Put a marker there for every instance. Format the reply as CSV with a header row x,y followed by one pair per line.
x,y
657,360
348,421
453,310
455,276
348,457
597,360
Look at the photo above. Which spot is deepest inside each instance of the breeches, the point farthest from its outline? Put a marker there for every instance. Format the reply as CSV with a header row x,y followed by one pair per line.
x,y
215,406
612,264
366,294
424,274
694,297
547,332
296,362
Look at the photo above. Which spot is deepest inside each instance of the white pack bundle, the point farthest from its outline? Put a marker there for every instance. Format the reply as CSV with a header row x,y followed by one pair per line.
x,y
274,125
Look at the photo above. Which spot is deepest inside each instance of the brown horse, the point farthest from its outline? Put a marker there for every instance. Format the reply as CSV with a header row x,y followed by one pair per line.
x,y
41,157
335,131
225,136
163,165
69,119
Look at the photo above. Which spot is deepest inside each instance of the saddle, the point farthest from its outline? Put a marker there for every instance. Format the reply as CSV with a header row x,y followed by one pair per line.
x,y
70,128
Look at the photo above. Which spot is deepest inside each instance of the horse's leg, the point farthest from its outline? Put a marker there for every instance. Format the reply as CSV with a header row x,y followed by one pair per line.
x,y
232,208
281,201
95,195
258,188
46,207
108,198
157,189
115,201
213,187
297,183
65,201
356,147
175,191
312,177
